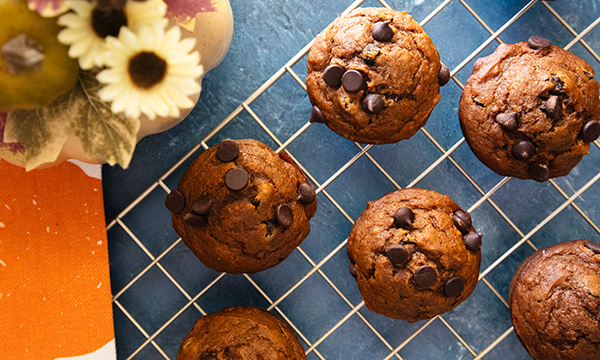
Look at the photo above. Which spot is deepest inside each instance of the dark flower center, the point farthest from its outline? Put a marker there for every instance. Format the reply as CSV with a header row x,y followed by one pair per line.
x,y
147,69
108,22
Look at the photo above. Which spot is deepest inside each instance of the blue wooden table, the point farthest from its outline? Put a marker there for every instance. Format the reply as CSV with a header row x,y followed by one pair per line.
x,y
160,289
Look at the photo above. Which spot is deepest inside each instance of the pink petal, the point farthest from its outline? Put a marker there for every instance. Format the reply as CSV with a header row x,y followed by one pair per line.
x,y
185,10
12,147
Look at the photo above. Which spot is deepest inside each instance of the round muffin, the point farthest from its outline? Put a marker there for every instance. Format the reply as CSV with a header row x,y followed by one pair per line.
x,y
373,76
241,208
414,254
241,333
555,301
530,110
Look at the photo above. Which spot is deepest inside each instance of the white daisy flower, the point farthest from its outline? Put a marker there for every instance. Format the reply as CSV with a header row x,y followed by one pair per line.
x,y
87,27
152,72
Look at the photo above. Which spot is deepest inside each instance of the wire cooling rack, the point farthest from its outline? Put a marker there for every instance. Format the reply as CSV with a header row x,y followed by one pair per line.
x,y
160,289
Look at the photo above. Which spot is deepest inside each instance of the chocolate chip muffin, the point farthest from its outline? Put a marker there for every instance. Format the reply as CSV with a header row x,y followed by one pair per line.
x,y
530,110
373,76
241,208
241,333
555,301
414,254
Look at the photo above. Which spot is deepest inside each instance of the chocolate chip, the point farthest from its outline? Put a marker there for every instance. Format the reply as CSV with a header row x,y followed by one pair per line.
x,y
472,241
590,76
443,75
508,120
403,218
236,179
202,205
477,102
590,131
523,150
370,53
285,157
453,286
352,269
538,42
595,247
559,86
316,116
352,80
209,357
332,75
553,107
270,228
194,220
175,201
306,193
227,150
382,31
398,254
425,276
284,215
462,221
373,103
539,172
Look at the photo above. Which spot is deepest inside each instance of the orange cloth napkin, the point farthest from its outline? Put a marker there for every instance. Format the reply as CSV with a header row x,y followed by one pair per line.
x,y
55,299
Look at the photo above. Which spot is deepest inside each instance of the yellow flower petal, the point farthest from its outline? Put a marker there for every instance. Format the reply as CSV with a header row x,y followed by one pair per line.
x,y
133,103
159,106
187,44
81,6
79,28
168,96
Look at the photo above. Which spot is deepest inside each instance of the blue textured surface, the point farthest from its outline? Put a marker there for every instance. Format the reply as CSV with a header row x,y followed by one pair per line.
x,y
157,294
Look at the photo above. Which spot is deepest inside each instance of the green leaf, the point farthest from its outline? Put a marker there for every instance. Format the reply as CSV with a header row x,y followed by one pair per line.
x,y
42,131
104,135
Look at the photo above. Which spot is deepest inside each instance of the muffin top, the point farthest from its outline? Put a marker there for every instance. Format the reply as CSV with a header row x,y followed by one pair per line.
x,y
241,333
415,254
530,110
555,301
240,207
373,76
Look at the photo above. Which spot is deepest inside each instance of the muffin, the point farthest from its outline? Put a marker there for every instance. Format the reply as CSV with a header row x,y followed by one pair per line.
x,y
240,332
373,76
555,301
414,254
530,110
241,208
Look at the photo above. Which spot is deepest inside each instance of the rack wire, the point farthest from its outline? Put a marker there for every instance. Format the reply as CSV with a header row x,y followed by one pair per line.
x,y
316,267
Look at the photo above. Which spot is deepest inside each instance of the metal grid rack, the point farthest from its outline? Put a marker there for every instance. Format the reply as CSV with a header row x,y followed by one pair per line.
x,y
393,348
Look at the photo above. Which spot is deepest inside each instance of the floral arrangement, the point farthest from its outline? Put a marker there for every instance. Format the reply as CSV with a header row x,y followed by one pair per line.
x,y
91,69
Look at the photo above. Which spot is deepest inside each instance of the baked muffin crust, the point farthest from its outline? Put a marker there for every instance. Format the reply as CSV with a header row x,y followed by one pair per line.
x,y
373,76
241,208
240,333
415,254
555,301
530,110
